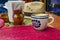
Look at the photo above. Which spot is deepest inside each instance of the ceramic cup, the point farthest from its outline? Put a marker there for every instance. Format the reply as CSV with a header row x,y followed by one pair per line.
x,y
40,21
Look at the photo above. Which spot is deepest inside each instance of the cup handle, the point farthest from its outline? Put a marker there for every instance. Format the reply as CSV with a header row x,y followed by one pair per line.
x,y
52,19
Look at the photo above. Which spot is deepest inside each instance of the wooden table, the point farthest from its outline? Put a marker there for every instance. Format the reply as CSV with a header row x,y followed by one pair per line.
x,y
56,23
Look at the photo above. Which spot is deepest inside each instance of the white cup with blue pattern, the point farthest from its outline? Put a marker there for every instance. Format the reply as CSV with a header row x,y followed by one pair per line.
x,y
40,21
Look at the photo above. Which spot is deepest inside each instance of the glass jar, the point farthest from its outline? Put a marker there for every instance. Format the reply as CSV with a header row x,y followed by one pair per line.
x,y
18,17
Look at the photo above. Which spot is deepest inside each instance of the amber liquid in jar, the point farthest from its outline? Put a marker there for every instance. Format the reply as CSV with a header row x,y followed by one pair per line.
x,y
18,17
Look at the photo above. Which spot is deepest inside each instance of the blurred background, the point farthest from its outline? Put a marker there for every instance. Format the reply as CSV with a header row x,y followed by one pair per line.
x,y
51,6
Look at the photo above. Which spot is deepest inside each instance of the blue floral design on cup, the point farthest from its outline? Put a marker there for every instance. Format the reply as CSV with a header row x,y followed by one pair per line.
x,y
36,23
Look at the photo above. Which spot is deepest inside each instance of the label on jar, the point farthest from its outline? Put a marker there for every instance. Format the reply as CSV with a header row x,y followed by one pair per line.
x,y
36,23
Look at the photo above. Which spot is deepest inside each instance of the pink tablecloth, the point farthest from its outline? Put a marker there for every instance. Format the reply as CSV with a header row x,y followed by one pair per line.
x,y
28,33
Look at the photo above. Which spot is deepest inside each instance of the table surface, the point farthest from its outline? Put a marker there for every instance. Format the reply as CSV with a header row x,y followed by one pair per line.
x,y
56,23
29,33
